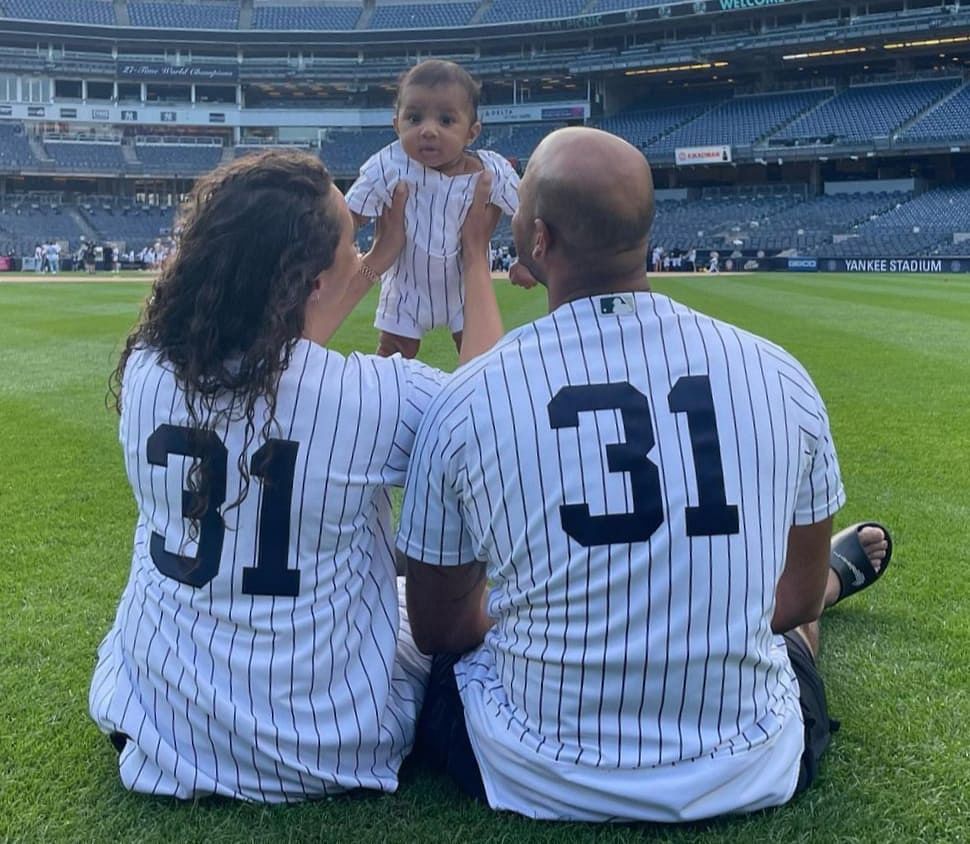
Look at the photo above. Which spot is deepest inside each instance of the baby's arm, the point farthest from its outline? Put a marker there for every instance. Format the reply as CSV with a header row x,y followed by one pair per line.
x,y
371,194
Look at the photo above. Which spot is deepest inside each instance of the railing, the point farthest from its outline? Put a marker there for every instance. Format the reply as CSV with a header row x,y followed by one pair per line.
x,y
178,140
83,137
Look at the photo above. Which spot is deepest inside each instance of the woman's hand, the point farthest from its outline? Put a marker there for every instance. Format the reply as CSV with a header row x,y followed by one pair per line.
x,y
480,222
388,232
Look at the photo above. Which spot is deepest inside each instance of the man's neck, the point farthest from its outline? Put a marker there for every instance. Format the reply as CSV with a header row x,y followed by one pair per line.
x,y
569,290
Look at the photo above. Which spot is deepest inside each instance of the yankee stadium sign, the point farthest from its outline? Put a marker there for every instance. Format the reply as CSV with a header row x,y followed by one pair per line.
x,y
895,265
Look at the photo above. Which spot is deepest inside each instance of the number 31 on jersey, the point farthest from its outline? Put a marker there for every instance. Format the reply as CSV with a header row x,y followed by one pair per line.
x,y
691,395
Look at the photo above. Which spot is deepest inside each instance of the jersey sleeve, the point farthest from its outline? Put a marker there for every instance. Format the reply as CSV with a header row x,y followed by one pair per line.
x,y
371,193
820,493
417,386
432,529
505,183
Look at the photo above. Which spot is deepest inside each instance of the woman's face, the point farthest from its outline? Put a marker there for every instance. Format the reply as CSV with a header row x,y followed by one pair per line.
x,y
346,260
323,308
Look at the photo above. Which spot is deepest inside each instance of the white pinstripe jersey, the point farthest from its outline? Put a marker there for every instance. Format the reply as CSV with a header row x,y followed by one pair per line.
x,y
628,469
265,664
424,289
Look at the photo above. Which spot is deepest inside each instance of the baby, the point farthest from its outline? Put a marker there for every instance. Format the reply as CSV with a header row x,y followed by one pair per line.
x,y
436,119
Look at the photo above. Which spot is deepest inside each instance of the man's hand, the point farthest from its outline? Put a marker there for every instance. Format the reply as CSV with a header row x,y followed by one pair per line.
x,y
388,232
480,222
521,277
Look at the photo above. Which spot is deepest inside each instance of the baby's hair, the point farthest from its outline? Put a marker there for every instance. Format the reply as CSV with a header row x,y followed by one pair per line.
x,y
434,72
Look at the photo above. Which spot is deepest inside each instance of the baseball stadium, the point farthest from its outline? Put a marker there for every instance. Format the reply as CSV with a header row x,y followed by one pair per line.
x,y
811,167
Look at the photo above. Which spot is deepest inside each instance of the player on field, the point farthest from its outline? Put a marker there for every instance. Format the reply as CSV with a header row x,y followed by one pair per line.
x,y
615,515
258,651
436,119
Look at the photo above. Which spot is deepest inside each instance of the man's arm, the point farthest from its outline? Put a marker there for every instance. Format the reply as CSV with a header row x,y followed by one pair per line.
x,y
800,595
483,321
446,606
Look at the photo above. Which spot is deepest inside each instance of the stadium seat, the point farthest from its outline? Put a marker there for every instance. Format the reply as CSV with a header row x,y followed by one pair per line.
x,y
72,11
316,17
179,15
422,15
865,112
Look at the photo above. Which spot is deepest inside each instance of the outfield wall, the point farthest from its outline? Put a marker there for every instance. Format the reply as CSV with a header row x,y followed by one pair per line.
x,y
928,266
937,265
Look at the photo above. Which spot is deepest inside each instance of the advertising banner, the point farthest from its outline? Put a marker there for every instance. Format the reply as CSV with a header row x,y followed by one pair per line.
x,y
716,154
564,113
929,266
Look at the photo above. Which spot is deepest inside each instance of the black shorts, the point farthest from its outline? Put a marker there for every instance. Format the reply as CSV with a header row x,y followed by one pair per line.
x,y
815,711
442,738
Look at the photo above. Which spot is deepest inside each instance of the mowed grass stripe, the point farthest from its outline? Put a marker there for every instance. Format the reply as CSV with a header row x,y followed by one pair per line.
x,y
896,658
807,322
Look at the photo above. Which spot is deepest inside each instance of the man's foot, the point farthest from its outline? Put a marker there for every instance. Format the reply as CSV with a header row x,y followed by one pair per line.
x,y
860,555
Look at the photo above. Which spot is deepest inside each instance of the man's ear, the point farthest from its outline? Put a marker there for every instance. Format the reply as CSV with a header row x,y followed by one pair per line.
x,y
543,238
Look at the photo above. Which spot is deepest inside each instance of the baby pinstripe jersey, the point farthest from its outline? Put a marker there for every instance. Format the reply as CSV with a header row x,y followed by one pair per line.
x,y
424,289
259,656
629,470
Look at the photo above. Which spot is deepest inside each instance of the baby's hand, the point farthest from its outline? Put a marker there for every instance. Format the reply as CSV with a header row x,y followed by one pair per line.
x,y
521,277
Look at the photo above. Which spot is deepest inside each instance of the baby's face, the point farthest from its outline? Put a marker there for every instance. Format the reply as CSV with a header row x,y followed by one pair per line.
x,y
435,125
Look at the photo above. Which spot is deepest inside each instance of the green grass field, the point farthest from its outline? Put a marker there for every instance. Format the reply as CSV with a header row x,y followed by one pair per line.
x,y
891,355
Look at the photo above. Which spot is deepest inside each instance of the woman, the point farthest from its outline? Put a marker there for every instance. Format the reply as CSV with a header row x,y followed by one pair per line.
x,y
255,653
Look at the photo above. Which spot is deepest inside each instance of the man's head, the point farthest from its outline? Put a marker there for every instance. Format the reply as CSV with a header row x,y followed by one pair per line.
x,y
585,211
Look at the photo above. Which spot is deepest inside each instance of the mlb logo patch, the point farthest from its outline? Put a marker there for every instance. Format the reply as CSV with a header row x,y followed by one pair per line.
x,y
618,303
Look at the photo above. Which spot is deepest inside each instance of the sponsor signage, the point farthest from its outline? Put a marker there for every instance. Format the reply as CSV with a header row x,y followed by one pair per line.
x,y
35,111
147,72
895,265
565,113
803,264
716,154
217,117
528,113
69,113
100,114
6,111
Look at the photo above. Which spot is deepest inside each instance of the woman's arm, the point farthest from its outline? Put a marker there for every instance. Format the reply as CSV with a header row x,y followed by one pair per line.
x,y
387,245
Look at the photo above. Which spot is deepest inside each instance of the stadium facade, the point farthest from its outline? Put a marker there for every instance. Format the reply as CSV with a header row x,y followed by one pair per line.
x,y
833,131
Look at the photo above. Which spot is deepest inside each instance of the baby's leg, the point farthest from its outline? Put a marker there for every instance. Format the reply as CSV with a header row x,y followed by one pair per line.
x,y
390,344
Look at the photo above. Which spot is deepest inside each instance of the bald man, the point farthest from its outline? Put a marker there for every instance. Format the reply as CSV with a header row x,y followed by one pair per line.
x,y
609,521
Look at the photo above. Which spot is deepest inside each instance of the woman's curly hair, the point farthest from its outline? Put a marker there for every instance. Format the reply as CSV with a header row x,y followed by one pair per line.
x,y
229,306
